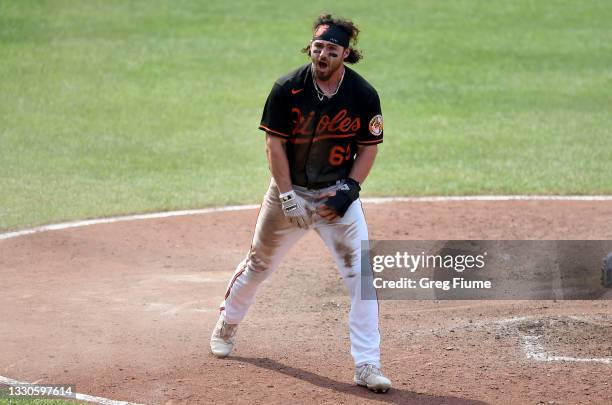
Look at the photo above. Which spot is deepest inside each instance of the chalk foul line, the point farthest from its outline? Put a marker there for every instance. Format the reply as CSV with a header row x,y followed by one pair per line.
x,y
375,200
77,396
155,215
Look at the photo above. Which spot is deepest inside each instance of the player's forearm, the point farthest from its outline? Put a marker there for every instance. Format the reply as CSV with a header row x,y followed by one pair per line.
x,y
278,163
363,163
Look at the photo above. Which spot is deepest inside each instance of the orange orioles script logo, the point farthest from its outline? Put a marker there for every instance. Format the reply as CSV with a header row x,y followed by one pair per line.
x,y
376,125
340,126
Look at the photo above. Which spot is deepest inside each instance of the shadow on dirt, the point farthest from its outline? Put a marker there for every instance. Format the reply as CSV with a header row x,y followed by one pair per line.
x,y
393,396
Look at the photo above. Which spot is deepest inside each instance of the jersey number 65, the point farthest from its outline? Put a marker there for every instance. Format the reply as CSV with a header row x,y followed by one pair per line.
x,y
338,154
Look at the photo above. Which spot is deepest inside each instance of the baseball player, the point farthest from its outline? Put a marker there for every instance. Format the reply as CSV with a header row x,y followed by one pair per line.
x,y
323,123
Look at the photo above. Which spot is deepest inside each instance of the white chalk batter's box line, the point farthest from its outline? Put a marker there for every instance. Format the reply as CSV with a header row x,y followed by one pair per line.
x,y
381,200
533,349
77,396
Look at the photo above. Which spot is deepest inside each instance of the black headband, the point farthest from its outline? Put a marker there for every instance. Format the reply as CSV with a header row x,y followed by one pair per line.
x,y
333,34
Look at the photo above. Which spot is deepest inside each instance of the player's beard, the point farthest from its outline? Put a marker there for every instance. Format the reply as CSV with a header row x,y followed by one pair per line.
x,y
324,70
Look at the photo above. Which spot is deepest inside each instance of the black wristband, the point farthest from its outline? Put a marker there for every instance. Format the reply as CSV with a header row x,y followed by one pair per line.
x,y
344,197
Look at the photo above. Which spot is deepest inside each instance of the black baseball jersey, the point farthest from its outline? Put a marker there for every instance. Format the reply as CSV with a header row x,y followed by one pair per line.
x,y
322,135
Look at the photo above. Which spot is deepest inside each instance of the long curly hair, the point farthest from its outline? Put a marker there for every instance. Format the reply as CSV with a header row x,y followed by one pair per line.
x,y
348,26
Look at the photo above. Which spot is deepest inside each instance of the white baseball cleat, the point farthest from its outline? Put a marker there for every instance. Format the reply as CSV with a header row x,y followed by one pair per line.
x,y
368,375
223,338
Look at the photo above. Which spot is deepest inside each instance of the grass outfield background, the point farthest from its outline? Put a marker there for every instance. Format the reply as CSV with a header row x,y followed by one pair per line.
x,y
6,399
114,107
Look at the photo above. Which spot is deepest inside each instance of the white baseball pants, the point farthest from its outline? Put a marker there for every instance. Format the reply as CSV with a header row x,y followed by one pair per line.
x,y
275,235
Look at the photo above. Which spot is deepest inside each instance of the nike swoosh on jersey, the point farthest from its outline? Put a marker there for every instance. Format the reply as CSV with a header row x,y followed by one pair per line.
x,y
296,91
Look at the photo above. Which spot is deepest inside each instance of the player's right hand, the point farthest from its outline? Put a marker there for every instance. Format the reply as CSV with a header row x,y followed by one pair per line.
x,y
296,209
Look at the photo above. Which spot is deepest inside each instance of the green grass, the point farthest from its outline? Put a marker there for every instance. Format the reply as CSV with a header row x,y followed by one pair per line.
x,y
6,400
113,107
24,401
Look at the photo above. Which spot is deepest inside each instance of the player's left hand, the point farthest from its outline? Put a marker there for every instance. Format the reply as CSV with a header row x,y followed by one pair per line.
x,y
325,211
342,199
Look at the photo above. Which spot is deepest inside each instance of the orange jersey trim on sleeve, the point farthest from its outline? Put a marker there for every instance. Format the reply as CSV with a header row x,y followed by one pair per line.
x,y
273,132
369,142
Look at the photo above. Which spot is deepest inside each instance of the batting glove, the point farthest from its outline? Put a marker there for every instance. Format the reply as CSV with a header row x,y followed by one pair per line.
x,y
344,197
296,209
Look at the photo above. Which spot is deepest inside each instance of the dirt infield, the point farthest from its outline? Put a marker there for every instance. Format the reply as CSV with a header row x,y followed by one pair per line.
x,y
125,310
